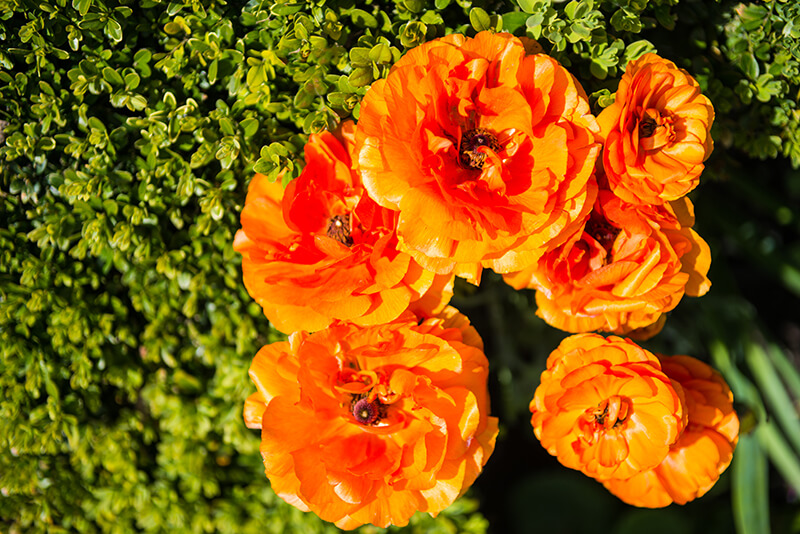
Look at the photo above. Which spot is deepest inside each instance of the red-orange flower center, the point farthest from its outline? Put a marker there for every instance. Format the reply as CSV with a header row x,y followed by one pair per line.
x,y
610,413
655,130
366,412
366,394
602,231
339,229
647,127
470,155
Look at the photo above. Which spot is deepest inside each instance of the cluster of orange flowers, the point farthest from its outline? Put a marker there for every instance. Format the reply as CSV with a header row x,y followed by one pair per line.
x,y
636,254
653,429
474,153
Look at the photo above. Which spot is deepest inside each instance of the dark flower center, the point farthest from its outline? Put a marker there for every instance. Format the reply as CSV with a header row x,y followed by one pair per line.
x,y
366,412
468,153
647,127
603,232
620,407
600,416
339,229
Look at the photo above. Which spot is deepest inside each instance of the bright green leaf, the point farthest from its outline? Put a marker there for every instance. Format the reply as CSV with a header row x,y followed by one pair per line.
x,y
479,19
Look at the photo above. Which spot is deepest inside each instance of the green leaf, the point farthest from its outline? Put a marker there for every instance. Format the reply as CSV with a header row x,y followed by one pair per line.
x,y
138,102
74,37
664,17
626,21
534,24
604,98
496,22
226,126
46,88
360,56
132,80
637,49
749,65
143,55
780,453
336,99
203,155
88,67
479,19
172,28
363,19
360,76
569,9
787,370
415,6
304,98
288,8
96,124
413,34
59,54
528,6
749,487
743,390
514,21
598,69
112,77
113,30
213,68
46,143
82,6
256,76
380,53
579,32
249,127
432,17
752,16
774,392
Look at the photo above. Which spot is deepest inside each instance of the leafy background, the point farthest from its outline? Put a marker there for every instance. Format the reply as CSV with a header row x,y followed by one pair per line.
x,y
129,132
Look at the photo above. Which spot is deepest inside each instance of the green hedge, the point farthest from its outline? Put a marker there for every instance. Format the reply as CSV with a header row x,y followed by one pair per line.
x,y
130,132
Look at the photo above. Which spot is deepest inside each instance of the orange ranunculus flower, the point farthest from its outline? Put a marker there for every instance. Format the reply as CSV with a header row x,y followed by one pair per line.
x,y
371,424
605,407
628,265
486,152
702,452
323,250
656,132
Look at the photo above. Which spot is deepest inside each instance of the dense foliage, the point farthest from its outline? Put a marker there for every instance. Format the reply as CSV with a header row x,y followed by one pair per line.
x,y
129,133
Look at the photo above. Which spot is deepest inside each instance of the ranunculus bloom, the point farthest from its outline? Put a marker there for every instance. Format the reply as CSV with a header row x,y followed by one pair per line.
x,y
702,452
605,407
656,132
371,424
323,250
629,265
486,152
